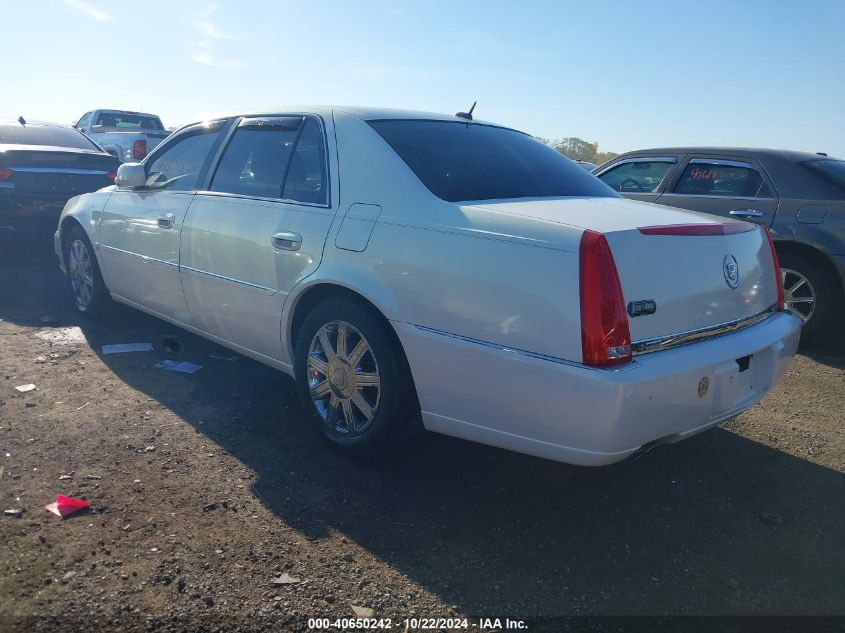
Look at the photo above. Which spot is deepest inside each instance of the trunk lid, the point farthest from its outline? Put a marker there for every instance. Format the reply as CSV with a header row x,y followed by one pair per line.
x,y
687,276
47,172
695,281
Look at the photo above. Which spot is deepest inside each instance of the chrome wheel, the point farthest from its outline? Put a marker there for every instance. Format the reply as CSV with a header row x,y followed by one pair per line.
x,y
343,378
799,296
81,274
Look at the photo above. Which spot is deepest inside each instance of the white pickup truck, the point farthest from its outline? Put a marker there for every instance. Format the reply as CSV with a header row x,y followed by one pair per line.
x,y
127,135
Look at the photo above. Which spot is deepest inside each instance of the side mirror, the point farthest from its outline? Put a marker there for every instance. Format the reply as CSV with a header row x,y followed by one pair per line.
x,y
131,176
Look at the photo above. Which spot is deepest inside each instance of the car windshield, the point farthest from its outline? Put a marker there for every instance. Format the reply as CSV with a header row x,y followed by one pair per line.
x,y
471,161
128,121
16,134
832,170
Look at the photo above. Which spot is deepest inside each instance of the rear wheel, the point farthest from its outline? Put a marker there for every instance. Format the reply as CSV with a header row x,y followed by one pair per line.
x,y
807,292
86,283
352,378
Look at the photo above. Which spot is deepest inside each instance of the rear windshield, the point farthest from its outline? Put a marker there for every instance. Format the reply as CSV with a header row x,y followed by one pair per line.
x,y
17,134
470,161
831,170
129,121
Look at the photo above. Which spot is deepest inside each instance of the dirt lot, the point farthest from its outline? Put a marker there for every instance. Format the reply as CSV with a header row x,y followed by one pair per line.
x,y
206,487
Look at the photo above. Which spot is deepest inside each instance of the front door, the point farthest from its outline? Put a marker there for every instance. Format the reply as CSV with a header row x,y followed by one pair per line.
x,y
258,231
140,228
727,186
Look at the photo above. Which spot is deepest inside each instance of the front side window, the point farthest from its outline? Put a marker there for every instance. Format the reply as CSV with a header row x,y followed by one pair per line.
x,y
179,164
471,161
722,178
85,120
255,159
637,176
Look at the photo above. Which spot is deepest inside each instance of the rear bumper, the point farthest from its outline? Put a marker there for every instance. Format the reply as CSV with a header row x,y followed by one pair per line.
x,y
17,210
571,413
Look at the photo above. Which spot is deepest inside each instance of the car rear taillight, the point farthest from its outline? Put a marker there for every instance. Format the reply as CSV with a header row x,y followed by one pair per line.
x,y
605,335
5,173
776,264
111,176
139,149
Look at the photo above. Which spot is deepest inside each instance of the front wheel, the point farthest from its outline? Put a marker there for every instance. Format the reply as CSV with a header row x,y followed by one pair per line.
x,y
352,378
86,283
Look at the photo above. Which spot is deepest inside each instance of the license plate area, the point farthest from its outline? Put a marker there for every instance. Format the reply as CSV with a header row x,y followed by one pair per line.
x,y
736,384
745,379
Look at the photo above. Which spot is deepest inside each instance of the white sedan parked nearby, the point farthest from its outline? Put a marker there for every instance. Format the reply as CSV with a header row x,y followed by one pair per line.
x,y
405,266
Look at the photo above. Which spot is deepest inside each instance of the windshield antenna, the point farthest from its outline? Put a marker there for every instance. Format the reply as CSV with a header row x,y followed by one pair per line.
x,y
466,115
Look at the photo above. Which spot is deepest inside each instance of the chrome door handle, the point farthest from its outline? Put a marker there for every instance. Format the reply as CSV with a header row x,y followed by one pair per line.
x,y
747,213
166,220
286,241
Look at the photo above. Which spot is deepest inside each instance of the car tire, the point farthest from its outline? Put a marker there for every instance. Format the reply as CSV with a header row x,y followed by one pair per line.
x,y
88,291
334,387
811,279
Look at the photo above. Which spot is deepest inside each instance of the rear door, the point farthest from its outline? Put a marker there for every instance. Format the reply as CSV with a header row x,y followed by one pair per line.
x,y
140,228
258,230
639,177
729,186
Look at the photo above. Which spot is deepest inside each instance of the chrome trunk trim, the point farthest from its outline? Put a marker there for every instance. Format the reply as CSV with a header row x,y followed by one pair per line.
x,y
692,336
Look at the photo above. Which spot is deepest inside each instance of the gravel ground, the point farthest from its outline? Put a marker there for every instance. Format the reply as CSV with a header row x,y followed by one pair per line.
x,y
207,487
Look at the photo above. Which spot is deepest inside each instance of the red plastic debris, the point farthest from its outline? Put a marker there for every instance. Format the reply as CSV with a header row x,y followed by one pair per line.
x,y
65,506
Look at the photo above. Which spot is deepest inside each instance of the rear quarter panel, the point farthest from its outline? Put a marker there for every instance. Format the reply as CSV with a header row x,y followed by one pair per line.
x,y
462,271
824,230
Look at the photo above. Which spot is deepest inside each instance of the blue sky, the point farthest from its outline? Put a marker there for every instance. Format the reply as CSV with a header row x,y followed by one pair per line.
x,y
627,74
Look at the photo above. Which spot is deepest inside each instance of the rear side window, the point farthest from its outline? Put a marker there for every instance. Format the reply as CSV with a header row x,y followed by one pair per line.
x,y
831,170
722,178
275,157
637,176
471,161
128,121
16,134
306,178
179,164
255,160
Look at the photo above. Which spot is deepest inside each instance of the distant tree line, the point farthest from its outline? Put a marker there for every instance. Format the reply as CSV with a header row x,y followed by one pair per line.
x,y
579,149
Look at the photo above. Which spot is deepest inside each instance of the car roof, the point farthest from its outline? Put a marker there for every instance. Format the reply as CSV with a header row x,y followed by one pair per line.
x,y
783,154
361,112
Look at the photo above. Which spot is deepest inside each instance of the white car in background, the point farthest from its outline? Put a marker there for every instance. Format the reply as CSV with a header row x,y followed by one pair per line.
x,y
398,263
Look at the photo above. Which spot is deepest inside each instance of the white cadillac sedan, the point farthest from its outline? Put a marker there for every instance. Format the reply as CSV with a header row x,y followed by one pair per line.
x,y
405,266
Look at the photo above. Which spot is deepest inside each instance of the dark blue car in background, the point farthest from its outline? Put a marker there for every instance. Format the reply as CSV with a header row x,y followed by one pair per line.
x,y
42,165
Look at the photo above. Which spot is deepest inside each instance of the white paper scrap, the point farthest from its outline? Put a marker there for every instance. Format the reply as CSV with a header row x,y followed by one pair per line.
x,y
184,367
